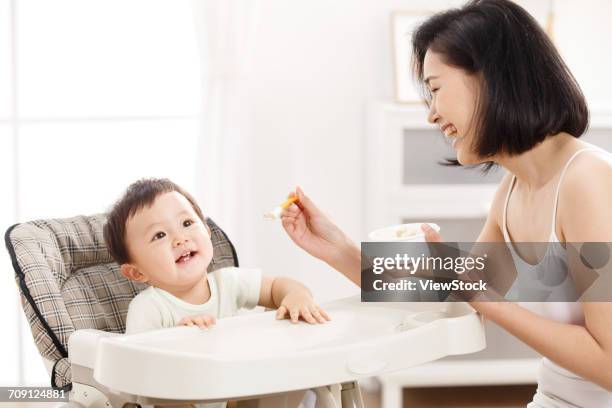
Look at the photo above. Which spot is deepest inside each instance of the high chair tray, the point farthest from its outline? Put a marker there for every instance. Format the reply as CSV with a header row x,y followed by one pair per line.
x,y
256,355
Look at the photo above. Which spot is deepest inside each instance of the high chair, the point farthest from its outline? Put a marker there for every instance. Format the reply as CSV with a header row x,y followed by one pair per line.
x,y
76,301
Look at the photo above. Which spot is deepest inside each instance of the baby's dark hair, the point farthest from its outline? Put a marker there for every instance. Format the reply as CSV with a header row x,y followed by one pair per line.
x,y
138,195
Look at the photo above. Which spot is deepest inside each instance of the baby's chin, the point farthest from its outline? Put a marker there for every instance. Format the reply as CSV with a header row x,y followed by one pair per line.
x,y
186,278
197,269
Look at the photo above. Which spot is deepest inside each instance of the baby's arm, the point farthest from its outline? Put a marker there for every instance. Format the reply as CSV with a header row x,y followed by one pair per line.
x,y
292,298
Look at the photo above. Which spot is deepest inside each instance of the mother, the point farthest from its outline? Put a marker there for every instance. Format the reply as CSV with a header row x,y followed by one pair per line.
x,y
498,89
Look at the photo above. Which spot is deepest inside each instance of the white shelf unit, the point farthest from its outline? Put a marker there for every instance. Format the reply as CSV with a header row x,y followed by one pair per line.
x,y
390,199
517,371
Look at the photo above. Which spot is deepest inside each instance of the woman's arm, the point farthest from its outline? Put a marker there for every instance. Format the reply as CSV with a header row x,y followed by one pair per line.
x,y
313,231
584,350
348,262
573,347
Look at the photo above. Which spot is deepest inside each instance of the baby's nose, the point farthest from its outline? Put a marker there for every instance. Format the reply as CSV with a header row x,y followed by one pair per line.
x,y
180,241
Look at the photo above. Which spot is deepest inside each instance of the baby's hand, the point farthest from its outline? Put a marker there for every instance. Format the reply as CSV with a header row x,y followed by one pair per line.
x,y
300,303
202,321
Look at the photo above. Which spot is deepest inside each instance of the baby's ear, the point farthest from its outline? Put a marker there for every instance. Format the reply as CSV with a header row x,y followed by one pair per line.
x,y
132,273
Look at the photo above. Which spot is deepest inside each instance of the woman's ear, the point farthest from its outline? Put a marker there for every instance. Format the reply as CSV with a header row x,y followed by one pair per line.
x,y
133,273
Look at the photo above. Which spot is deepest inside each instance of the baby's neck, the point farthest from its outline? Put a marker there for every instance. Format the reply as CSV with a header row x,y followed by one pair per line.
x,y
196,295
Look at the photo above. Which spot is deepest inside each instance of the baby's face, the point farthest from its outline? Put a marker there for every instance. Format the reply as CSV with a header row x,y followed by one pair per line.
x,y
169,245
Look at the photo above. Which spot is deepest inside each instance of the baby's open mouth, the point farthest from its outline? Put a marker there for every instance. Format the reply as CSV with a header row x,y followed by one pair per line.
x,y
186,256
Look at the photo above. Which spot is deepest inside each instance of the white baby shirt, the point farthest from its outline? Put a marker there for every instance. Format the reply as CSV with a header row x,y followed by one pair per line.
x,y
231,289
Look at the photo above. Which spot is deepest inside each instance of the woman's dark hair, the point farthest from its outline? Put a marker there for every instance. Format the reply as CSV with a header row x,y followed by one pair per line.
x,y
527,91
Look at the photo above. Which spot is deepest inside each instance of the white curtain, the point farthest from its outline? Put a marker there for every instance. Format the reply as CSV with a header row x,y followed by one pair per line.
x,y
225,36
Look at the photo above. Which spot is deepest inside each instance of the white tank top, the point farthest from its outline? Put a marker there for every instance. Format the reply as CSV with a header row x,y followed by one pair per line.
x,y
554,381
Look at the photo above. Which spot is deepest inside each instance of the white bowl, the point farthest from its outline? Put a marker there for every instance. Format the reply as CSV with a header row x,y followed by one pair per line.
x,y
402,232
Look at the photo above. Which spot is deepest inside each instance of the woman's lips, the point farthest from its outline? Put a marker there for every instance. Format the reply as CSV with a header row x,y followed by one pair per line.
x,y
449,130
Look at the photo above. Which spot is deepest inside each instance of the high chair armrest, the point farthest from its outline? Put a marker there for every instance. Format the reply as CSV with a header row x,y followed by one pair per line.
x,y
82,346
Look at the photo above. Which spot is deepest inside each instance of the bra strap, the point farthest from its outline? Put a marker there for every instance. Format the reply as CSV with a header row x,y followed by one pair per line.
x,y
505,229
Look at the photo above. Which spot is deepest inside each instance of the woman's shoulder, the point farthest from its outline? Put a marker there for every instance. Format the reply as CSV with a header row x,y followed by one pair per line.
x,y
589,171
585,197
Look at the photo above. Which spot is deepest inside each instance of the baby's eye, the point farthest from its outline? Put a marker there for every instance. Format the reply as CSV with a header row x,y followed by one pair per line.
x,y
188,223
158,235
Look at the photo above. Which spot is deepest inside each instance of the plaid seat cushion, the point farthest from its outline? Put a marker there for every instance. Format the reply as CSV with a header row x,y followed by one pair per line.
x,y
68,281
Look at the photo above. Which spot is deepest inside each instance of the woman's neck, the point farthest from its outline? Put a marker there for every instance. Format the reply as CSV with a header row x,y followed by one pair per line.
x,y
538,166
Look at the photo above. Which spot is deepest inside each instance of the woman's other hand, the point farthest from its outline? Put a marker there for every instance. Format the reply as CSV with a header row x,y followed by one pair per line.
x,y
431,235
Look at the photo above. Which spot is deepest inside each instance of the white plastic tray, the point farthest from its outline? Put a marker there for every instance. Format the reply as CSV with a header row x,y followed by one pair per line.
x,y
257,355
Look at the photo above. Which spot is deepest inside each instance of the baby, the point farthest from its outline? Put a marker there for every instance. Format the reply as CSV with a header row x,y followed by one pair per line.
x,y
157,234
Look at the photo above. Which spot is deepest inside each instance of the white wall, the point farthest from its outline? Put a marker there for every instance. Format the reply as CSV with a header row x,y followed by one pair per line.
x,y
316,64
583,35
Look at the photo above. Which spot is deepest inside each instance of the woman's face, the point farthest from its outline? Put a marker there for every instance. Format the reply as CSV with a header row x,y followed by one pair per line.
x,y
454,98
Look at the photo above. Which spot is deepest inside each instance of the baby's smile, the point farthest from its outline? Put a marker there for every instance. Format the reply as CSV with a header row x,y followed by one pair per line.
x,y
185,257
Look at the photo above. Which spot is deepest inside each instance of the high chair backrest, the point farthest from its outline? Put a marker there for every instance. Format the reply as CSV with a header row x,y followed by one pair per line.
x,y
68,281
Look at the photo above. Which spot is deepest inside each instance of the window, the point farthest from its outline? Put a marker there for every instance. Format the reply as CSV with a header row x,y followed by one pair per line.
x,y
107,58
8,289
105,93
6,63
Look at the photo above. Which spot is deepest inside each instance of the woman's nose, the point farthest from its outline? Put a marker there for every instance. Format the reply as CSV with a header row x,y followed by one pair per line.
x,y
432,116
